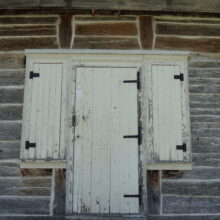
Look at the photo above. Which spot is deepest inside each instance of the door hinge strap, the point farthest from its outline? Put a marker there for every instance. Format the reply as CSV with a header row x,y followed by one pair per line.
x,y
181,147
32,75
28,145
139,196
139,136
135,81
180,77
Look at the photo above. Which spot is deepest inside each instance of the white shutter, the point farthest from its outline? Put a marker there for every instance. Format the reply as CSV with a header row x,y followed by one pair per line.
x,y
105,163
43,112
168,127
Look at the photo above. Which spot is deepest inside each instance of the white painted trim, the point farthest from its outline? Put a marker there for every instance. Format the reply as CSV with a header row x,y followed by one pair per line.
x,y
91,51
43,164
170,166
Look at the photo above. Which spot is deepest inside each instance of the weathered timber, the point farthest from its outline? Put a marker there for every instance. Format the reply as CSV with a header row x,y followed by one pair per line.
x,y
106,29
197,173
191,188
146,29
205,118
160,5
188,205
206,105
25,187
213,98
11,77
32,217
185,217
205,125
10,44
206,132
28,30
86,19
205,145
65,31
12,60
205,87
9,150
105,43
21,20
187,29
36,172
209,45
59,192
9,169
10,130
204,73
153,192
11,95
204,111
24,205
204,159
10,112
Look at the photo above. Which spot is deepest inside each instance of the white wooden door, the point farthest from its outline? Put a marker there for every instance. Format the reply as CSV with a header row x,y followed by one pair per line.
x,y
105,163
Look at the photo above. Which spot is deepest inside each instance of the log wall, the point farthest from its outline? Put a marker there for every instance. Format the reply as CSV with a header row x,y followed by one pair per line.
x,y
186,195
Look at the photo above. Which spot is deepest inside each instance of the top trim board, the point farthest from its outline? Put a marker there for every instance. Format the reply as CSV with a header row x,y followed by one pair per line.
x,y
107,52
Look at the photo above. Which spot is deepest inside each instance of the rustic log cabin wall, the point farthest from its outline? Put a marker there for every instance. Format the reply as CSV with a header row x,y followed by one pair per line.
x,y
171,194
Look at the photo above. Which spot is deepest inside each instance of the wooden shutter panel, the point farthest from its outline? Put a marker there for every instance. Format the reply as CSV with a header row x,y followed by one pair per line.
x,y
168,124
43,112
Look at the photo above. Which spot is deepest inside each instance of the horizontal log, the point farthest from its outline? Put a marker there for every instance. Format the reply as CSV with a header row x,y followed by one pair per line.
x,y
11,44
205,88
206,132
21,20
11,77
12,60
197,173
160,5
184,217
205,118
24,205
204,159
206,105
209,45
186,20
206,125
11,95
189,188
25,187
11,112
89,19
10,130
36,172
8,169
36,30
105,43
213,98
200,73
9,150
105,29
201,111
37,218
187,29
189,205
205,145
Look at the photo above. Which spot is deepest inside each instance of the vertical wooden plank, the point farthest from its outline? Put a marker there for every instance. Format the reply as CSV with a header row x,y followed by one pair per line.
x,y
26,110
33,114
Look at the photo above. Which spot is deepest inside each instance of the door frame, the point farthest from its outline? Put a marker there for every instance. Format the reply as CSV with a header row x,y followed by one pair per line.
x,y
100,60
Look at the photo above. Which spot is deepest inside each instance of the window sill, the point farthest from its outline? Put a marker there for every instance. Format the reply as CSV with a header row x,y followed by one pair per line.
x,y
170,166
56,164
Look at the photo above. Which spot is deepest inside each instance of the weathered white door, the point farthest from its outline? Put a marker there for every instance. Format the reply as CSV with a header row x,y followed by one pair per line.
x,y
105,163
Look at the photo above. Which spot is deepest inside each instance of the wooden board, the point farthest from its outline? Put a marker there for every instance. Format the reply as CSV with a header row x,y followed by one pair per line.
x,y
42,113
105,164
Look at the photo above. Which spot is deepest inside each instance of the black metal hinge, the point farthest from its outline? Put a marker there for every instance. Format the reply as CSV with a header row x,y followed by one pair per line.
x,y
139,196
135,81
28,145
180,77
32,75
139,136
181,147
